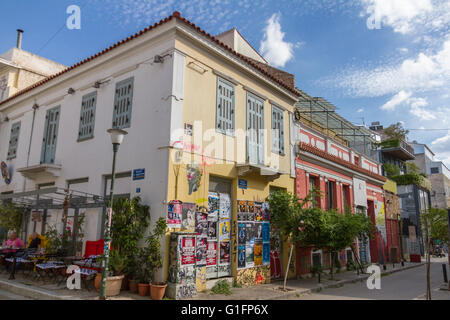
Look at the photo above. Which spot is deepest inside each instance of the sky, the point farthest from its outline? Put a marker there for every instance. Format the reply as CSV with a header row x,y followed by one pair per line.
x,y
375,60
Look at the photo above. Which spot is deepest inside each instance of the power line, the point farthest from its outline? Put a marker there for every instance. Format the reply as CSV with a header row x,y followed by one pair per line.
x,y
424,129
59,30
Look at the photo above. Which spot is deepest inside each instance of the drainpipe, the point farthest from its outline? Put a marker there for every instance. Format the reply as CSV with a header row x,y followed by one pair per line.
x,y
35,107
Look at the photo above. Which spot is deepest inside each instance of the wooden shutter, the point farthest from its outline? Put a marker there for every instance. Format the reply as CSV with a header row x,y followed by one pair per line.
x,y
255,133
123,103
50,135
277,130
13,140
87,116
225,106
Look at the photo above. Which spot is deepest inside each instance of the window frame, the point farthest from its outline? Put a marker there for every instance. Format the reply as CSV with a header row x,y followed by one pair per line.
x,y
280,149
119,86
85,98
12,135
228,132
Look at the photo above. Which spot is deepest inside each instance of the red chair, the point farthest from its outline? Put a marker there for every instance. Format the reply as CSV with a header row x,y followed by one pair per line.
x,y
94,248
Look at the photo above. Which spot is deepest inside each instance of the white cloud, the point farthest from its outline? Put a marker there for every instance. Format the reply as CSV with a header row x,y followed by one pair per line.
x,y
418,110
441,146
403,50
273,47
396,100
426,72
360,110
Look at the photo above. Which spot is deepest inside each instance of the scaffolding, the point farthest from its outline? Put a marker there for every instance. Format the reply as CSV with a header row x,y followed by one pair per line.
x,y
321,113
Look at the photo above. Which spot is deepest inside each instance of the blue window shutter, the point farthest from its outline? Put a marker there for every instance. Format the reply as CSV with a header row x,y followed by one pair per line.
x,y
225,106
50,135
13,141
87,116
123,102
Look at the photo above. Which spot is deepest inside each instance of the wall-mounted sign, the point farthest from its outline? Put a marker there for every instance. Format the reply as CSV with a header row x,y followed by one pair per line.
x,y
5,172
243,184
188,129
138,174
36,216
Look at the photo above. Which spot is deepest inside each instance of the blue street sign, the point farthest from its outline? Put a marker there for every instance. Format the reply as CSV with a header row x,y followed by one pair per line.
x,y
242,184
138,174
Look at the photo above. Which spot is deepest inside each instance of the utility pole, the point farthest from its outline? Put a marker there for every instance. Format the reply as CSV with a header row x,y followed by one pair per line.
x,y
448,247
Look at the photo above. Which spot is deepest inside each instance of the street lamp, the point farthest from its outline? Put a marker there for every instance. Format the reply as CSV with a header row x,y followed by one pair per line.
x,y
117,136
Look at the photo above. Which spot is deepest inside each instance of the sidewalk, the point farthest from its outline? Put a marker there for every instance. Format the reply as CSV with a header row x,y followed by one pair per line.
x,y
41,291
298,287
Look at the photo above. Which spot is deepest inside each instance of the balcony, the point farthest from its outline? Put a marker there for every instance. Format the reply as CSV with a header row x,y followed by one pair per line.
x,y
41,171
397,148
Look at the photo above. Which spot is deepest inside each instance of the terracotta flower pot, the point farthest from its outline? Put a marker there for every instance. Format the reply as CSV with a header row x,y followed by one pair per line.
x,y
143,289
113,284
133,286
157,290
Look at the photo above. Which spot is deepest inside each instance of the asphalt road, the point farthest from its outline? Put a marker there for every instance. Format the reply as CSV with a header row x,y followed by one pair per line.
x,y
405,285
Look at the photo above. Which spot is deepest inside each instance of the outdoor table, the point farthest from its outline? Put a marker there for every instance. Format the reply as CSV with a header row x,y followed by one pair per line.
x,y
12,251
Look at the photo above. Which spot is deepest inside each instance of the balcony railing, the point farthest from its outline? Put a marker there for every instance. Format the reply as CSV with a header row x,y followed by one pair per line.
x,y
398,148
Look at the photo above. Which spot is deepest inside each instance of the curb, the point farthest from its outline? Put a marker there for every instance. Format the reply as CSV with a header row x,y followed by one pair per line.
x,y
31,292
339,283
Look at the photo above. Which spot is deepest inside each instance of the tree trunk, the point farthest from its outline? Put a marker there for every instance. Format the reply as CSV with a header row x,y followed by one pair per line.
x,y
332,265
287,267
428,269
357,259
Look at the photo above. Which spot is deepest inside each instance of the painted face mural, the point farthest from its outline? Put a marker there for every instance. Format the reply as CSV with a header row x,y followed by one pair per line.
x,y
5,172
194,176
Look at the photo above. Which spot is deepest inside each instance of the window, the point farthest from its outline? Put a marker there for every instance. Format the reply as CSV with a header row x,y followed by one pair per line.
x,y
50,135
434,170
87,116
255,133
225,107
13,140
123,103
277,130
331,195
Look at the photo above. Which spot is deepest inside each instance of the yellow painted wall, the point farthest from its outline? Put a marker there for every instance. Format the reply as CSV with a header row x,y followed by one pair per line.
x,y
390,186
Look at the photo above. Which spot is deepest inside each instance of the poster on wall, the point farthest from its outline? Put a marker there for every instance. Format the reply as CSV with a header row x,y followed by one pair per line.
x,y
258,253
249,256
241,257
224,206
258,211
211,253
224,230
201,225
212,230
251,211
188,217
266,211
241,234
266,253
187,251
258,231
266,232
213,206
249,230
224,253
242,210
201,251
174,214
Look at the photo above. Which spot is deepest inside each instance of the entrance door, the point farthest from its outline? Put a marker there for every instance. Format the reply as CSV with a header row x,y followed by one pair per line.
x,y
373,241
219,217
50,135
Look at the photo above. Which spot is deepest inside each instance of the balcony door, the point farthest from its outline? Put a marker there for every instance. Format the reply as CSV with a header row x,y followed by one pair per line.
x,y
50,135
255,127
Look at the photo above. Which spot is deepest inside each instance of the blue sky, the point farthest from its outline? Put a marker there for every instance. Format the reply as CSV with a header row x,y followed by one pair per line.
x,y
397,71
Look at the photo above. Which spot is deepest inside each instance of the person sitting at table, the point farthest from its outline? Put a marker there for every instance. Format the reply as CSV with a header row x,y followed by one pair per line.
x,y
13,241
35,243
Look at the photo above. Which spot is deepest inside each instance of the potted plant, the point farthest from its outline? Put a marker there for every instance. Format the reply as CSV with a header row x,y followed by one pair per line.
x,y
155,261
115,276
142,272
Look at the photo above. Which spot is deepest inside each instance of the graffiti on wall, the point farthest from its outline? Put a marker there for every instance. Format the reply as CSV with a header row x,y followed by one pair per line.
x,y
253,276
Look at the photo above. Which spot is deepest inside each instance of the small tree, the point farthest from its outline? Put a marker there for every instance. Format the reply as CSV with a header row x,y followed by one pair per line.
x,y
396,131
435,226
286,213
11,217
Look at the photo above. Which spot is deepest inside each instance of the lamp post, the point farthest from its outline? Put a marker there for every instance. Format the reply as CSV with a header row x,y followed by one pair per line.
x,y
117,136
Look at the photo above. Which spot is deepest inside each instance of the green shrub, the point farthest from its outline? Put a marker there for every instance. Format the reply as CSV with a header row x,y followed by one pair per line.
x,y
221,287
